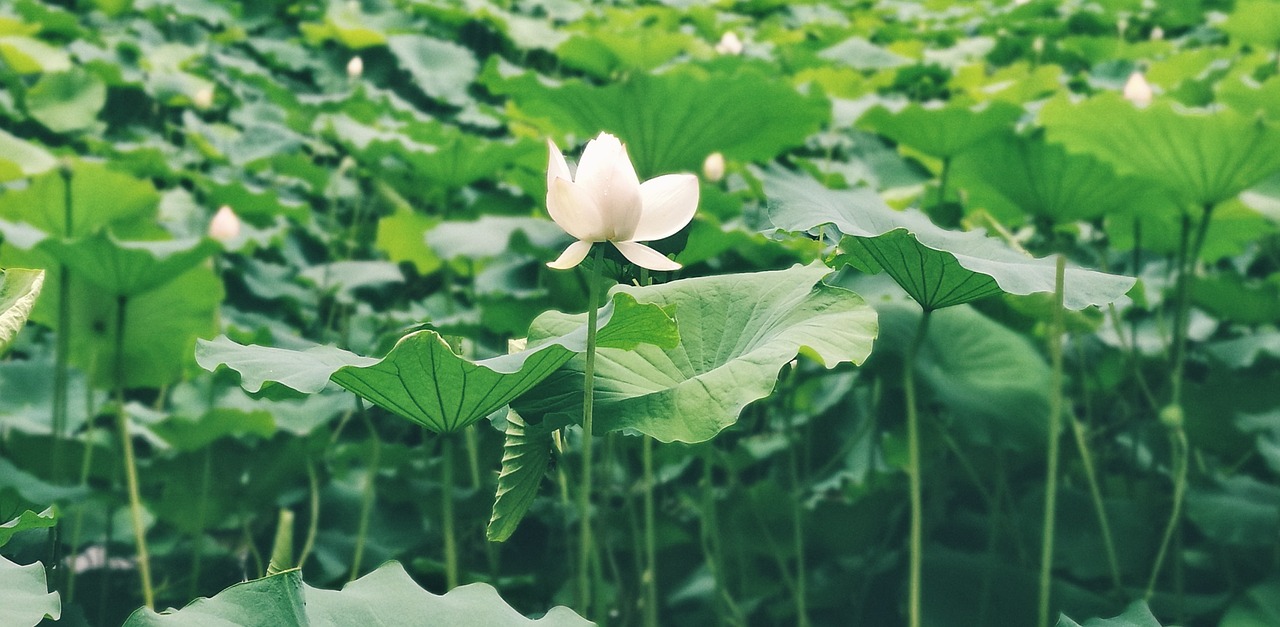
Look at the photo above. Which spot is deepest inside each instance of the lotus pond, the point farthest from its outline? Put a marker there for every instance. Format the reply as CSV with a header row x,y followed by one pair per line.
x,y
554,312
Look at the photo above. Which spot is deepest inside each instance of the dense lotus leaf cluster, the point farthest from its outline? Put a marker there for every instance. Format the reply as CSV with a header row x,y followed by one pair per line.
x,y
296,253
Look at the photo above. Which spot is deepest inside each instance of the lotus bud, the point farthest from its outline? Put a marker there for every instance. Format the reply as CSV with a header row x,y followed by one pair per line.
x,y
1037,46
729,44
1137,90
1122,25
1157,33
1019,3
355,68
203,98
225,225
713,167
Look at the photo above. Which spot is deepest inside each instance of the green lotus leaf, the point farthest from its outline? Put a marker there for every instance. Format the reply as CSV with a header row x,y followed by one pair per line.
x,y
20,158
25,599
28,520
1204,158
860,54
128,268
737,331
1255,22
67,101
19,289
423,380
525,456
937,267
672,121
491,236
942,132
1136,615
27,55
1045,180
1259,605
441,69
386,596
100,196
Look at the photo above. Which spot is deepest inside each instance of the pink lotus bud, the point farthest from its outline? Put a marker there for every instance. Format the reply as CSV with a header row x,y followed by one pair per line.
x,y
225,225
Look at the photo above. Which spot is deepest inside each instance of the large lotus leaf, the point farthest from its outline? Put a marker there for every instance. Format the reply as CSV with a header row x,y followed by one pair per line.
x,y
128,268
400,236
1044,179
1136,615
490,236
1249,98
1204,158
423,380
28,520
737,331
943,132
992,381
19,289
100,196
860,54
161,327
1236,511
1255,22
1258,607
20,158
937,267
67,101
25,599
27,55
672,121
441,69
525,456
387,596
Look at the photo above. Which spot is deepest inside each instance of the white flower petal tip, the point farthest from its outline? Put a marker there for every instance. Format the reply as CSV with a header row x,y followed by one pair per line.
x,y
646,257
572,256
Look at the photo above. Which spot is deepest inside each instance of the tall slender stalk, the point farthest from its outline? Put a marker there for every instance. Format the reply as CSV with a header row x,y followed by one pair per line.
x,y
447,444
197,537
130,463
369,493
62,341
588,403
1055,428
913,470
1179,449
650,545
942,181
1099,508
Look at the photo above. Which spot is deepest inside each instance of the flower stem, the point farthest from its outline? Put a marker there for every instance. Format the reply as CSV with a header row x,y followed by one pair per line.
x,y
650,544
369,494
588,403
913,470
130,463
1055,427
447,444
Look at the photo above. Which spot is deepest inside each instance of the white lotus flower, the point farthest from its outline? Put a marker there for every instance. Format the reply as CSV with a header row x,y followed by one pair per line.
x,y
1157,33
606,202
713,167
1137,90
225,225
729,44
355,67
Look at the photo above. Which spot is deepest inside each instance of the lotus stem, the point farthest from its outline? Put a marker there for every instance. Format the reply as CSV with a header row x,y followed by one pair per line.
x,y
130,463
1095,493
650,545
588,402
446,509
913,469
62,341
369,494
1052,448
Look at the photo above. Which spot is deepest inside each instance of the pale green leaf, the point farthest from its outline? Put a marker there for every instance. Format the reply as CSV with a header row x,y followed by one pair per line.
x,y
67,101
19,289
737,331
525,456
25,599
